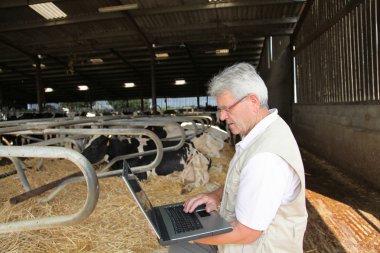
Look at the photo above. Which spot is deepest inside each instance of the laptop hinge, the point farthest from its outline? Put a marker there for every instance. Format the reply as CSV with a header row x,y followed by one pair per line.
x,y
160,224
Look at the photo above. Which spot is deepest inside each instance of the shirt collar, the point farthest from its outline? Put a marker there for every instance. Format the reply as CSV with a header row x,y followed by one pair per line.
x,y
257,130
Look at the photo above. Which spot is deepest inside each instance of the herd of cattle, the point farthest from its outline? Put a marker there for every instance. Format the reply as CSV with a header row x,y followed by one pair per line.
x,y
190,162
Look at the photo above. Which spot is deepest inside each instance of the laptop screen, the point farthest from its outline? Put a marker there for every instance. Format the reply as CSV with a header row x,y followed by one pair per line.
x,y
140,196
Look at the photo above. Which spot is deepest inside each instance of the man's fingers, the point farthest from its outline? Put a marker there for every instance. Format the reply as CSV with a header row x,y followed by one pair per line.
x,y
193,203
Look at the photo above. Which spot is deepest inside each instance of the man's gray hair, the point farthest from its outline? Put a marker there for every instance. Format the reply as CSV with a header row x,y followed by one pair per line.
x,y
240,79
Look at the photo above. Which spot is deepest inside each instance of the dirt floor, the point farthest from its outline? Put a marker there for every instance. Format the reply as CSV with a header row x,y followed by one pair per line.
x,y
343,212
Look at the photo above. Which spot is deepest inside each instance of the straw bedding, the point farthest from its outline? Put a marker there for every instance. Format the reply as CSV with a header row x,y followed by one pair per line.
x,y
116,225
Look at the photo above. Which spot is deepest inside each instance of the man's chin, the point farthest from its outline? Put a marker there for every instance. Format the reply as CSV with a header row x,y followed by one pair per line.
x,y
233,129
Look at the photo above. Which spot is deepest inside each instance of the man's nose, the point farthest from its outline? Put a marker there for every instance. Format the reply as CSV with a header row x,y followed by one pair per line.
x,y
223,115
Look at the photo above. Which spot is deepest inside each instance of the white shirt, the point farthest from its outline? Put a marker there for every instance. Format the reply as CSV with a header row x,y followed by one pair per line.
x,y
266,182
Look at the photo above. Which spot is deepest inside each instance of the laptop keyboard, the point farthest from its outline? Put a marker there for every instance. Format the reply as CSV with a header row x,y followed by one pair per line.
x,y
182,222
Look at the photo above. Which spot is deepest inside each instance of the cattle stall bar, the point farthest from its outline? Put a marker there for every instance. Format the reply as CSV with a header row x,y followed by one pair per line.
x,y
14,130
55,221
61,184
204,121
26,124
191,133
128,123
182,120
122,124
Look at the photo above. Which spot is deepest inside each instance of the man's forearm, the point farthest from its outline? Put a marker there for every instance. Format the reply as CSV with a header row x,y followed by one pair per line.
x,y
239,235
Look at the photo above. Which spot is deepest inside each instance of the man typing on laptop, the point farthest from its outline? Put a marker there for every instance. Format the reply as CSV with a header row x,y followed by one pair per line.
x,y
169,222
264,194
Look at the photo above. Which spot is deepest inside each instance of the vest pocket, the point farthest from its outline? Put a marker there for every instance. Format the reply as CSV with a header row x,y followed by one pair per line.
x,y
228,207
283,237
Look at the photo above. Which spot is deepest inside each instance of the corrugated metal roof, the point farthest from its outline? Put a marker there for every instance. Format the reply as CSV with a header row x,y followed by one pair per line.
x,y
190,31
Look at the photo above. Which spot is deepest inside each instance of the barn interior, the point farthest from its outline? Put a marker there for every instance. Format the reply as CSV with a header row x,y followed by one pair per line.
x,y
319,60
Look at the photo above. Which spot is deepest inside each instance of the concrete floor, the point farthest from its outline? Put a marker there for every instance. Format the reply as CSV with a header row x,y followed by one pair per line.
x,y
344,212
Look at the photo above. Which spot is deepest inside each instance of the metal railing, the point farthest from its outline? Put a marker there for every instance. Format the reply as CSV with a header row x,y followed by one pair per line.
x,y
54,221
70,130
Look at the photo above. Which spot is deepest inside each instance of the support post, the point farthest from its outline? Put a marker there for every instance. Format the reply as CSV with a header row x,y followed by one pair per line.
x,y
153,81
39,85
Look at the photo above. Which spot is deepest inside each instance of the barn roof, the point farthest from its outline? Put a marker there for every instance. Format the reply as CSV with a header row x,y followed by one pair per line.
x,y
122,44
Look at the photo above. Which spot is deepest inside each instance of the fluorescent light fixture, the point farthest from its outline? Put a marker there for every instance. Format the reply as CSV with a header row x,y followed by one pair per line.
x,y
162,55
96,60
48,89
43,66
48,10
180,82
82,87
222,51
124,7
129,85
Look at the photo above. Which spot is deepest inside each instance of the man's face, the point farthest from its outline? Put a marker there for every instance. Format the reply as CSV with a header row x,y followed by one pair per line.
x,y
239,114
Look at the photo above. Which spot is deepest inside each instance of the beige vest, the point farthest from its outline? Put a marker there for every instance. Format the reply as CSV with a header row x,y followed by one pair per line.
x,y
285,233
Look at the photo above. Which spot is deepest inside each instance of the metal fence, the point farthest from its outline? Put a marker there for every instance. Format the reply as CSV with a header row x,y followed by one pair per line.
x,y
337,53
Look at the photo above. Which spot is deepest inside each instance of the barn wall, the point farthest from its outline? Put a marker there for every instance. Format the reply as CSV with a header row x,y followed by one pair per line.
x,y
276,71
345,135
337,106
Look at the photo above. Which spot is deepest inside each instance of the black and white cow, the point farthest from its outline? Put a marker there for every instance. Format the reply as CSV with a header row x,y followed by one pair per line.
x,y
105,148
171,160
190,163
11,140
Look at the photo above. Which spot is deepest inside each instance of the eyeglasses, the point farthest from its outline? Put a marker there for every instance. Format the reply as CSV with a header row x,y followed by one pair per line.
x,y
229,108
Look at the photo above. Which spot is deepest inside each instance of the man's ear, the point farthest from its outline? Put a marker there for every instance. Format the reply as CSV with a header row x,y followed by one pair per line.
x,y
254,99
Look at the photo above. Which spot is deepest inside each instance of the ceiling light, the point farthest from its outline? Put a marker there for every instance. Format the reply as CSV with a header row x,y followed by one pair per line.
x,y
129,85
48,10
48,89
124,7
83,87
222,51
180,82
96,61
42,66
162,55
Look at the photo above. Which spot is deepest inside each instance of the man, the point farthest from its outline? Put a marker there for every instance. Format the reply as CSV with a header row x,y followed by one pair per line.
x,y
264,192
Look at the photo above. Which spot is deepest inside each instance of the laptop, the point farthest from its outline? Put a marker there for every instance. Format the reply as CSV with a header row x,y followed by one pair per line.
x,y
169,222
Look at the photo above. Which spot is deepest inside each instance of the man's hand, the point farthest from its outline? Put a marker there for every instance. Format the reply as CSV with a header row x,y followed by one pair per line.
x,y
211,200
